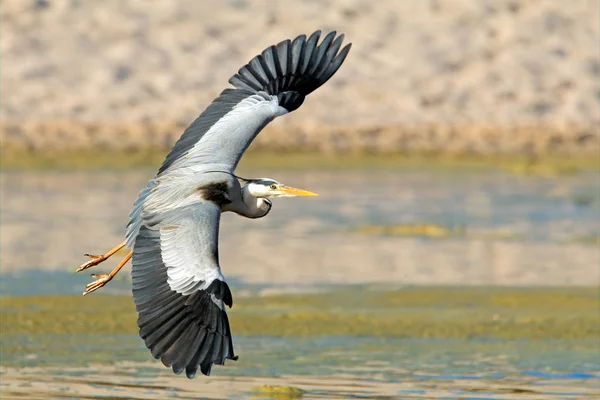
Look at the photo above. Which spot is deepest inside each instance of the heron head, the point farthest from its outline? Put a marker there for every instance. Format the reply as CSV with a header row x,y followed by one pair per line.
x,y
269,188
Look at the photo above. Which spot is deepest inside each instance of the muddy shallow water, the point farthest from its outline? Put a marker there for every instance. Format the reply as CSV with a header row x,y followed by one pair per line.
x,y
329,368
470,229
457,343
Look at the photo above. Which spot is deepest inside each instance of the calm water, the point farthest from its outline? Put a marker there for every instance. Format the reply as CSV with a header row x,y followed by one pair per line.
x,y
513,230
324,367
505,230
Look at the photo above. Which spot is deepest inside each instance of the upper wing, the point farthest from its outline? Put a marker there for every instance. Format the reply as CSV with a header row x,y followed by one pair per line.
x,y
179,291
271,84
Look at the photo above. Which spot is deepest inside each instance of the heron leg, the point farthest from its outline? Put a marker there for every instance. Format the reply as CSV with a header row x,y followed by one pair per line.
x,y
95,260
103,279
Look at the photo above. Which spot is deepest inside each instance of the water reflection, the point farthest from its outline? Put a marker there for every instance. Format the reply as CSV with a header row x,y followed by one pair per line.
x,y
521,230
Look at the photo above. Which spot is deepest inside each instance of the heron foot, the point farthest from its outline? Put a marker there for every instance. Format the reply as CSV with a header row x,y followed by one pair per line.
x,y
101,280
95,260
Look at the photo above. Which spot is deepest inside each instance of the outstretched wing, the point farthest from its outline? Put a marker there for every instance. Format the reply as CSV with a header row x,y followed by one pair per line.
x,y
178,289
271,84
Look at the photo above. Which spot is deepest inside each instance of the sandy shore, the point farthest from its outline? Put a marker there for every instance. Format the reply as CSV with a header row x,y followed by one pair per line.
x,y
457,76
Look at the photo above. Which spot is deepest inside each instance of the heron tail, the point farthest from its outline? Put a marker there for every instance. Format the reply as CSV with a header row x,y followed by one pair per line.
x,y
292,70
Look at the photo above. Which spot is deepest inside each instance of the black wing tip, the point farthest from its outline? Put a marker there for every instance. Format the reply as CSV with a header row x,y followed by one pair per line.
x,y
187,333
306,66
205,369
187,355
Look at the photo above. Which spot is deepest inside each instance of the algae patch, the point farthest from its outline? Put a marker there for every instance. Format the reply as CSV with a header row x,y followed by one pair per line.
x,y
277,392
422,230
545,165
587,239
432,231
68,314
457,313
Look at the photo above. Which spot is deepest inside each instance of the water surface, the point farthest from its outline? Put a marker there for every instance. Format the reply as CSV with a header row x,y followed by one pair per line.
x,y
501,230
511,229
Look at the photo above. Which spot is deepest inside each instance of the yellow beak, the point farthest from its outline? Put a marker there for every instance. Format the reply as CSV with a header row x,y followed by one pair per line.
x,y
290,191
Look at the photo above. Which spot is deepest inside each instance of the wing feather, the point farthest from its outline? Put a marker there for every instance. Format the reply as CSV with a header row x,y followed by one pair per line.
x,y
277,81
192,366
220,107
311,45
179,291
247,80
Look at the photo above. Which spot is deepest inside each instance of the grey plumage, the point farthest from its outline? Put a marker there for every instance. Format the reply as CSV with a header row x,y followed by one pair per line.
x,y
135,216
171,321
178,289
215,111
289,71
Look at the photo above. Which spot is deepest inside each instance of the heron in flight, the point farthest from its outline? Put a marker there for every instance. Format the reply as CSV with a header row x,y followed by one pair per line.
x,y
179,291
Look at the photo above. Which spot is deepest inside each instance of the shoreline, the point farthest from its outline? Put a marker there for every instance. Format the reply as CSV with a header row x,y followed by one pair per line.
x,y
550,164
518,139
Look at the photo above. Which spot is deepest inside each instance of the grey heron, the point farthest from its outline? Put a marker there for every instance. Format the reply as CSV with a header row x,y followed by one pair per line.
x,y
179,291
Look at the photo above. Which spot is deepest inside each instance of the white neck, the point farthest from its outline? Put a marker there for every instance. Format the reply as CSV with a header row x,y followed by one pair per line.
x,y
250,206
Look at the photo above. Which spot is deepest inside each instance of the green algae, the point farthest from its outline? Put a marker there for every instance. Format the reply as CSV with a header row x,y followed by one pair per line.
x,y
544,165
587,239
82,160
277,392
433,231
67,314
457,313
420,230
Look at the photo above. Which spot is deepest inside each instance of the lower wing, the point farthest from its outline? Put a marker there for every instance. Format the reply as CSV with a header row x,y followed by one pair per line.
x,y
178,290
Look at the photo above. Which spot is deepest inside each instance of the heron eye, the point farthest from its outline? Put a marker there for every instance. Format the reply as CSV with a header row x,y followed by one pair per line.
x,y
273,186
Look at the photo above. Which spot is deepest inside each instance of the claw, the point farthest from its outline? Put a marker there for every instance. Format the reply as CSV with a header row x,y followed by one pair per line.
x,y
97,259
101,280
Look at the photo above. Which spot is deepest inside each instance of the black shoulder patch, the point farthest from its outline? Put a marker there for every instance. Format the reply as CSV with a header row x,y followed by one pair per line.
x,y
221,291
215,192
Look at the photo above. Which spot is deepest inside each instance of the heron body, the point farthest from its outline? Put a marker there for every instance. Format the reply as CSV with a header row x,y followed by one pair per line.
x,y
178,288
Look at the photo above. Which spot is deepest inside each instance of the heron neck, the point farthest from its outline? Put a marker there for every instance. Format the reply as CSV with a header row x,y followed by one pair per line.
x,y
255,207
